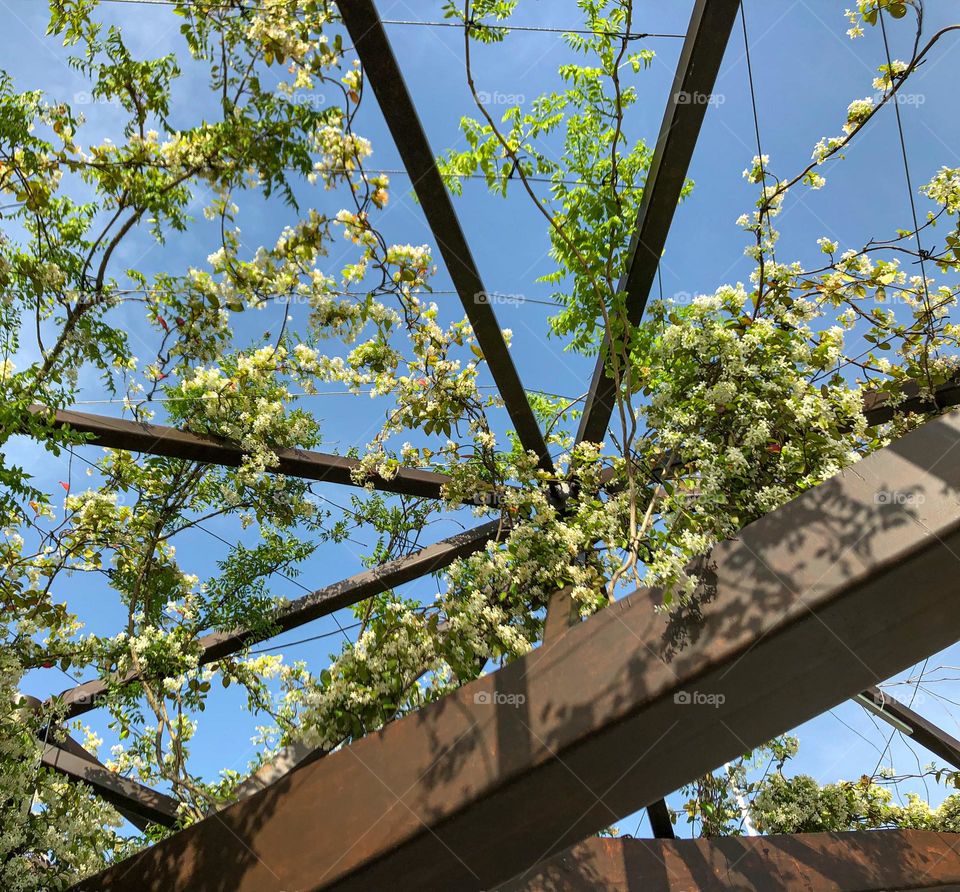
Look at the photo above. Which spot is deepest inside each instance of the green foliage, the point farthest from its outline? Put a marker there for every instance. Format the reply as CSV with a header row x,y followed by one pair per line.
x,y
800,805
597,177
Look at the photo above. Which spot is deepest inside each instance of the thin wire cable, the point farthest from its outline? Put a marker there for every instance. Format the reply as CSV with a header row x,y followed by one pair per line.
x,y
537,29
895,731
497,297
352,627
220,538
215,396
756,118
392,171
853,730
906,171
533,29
753,94
275,647
218,396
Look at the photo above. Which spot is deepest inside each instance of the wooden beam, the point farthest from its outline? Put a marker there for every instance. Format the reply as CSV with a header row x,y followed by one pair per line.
x,y
129,802
67,743
383,74
563,613
861,861
802,610
126,795
323,602
703,50
660,821
156,439
912,724
880,408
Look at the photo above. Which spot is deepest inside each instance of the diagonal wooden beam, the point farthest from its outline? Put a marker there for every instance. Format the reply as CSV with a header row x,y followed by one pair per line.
x,y
859,861
707,36
129,802
802,610
157,439
660,821
880,408
703,49
911,723
383,72
324,601
128,796
70,745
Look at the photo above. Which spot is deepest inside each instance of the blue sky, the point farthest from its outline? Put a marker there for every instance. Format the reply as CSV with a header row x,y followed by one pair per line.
x,y
806,73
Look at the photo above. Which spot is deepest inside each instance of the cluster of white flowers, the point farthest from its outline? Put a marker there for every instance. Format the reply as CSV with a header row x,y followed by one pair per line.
x,y
341,154
246,404
272,27
735,399
52,831
857,112
944,189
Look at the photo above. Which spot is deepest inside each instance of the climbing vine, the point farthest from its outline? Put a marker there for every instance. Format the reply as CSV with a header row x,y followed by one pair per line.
x,y
728,405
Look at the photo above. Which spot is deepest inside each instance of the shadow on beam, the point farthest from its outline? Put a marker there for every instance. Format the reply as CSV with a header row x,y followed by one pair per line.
x,y
873,861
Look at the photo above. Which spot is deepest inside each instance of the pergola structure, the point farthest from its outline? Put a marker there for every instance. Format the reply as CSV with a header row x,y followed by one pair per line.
x,y
476,792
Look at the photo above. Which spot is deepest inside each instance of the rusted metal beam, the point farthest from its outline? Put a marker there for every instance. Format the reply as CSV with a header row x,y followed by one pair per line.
x,y
383,73
157,439
128,796
862,861
911,723
703,50
324,601
802,610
